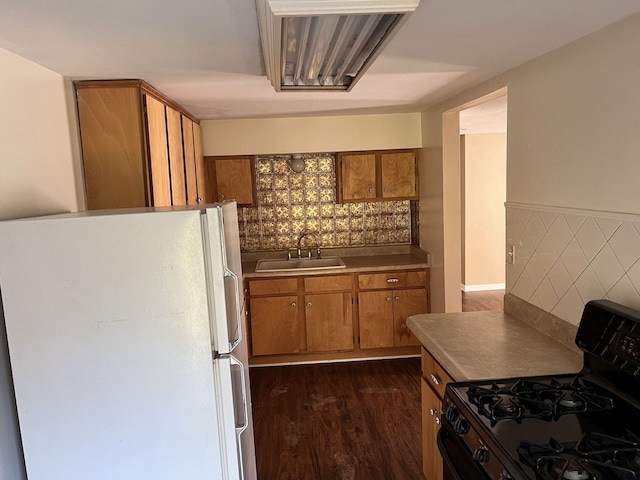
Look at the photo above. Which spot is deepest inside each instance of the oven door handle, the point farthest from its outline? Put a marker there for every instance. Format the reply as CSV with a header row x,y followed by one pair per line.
x,y
464,468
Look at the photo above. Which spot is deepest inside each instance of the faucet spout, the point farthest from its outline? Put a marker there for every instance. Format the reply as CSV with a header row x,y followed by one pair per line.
x,y
305,235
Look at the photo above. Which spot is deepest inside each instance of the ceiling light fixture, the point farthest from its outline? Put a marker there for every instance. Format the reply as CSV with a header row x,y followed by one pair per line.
x,y
325,44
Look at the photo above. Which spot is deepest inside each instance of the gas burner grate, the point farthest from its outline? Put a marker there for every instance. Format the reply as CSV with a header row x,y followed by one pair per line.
x,y
537,399
594,457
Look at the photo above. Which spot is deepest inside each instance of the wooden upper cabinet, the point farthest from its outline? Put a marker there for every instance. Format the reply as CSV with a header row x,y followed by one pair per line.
x,y
158,153
231,178
399,174
357,176
377,175
134,141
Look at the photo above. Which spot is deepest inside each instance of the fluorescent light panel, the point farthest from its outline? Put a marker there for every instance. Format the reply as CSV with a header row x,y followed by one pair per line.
x,y
329,51
325,44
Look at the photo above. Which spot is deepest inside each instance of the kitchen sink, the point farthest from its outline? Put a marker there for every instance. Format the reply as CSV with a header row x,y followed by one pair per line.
x,y
296,265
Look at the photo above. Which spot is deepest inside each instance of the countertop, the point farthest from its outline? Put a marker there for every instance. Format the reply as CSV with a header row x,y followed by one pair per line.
x,y
491,344
357,263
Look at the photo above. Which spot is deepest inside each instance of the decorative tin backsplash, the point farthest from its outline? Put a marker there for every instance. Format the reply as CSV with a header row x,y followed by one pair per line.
x,y
290,203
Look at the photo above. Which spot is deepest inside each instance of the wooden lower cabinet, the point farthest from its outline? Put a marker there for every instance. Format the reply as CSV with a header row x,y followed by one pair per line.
x,y
329,322
274,325
315,316
383,311
431,458
433,384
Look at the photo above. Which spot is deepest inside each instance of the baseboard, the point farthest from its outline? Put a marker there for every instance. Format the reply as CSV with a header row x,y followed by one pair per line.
x,y
483,288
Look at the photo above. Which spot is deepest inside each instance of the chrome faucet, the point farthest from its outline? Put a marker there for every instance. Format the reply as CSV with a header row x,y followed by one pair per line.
x,y
310,235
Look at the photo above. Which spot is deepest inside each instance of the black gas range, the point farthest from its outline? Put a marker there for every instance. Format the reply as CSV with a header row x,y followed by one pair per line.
x,y
583,426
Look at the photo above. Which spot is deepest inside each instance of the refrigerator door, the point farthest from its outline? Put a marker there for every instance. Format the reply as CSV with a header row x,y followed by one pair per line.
x,y
233,412
109,341
224,272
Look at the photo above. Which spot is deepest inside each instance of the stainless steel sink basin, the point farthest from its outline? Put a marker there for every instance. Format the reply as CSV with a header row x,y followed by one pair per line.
x,y
296,265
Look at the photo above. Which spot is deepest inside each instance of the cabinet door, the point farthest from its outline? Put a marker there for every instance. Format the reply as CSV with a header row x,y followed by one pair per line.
x,y
158,153
376,319
274,325
176,157
189,161
357,176
201,177
405,304
398,172
431,410
329,323
114,159
233,179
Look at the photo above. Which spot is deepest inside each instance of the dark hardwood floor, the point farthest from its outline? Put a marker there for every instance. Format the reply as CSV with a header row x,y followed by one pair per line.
x,y
340,421
479,301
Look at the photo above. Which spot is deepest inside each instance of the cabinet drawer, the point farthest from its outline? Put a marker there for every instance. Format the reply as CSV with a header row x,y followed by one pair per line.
x,y
329,283
434,374
273,286
410,278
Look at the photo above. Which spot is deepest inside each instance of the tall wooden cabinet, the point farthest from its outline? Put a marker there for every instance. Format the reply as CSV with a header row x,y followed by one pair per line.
x,y
139,147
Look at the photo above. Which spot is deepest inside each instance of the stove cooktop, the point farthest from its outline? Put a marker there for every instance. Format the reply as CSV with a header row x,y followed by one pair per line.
x,y
583,426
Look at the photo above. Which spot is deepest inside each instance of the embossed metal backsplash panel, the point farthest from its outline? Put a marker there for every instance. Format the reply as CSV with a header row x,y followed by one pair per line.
x,y
290,203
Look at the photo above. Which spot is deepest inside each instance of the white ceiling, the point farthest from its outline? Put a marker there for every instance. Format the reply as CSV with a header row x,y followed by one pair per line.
x,y
205,54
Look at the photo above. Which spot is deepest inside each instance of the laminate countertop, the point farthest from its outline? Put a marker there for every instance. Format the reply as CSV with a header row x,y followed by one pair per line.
x,y
491,344
360,263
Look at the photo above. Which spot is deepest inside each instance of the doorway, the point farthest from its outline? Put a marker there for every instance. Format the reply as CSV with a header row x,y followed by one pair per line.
x,y
474,156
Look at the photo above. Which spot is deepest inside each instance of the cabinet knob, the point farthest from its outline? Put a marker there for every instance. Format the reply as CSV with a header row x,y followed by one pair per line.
x,y
371,190
437,420
293,304
221,196
432,412
435,379
386,189
392,280
397,298
308,304
388,299
199,199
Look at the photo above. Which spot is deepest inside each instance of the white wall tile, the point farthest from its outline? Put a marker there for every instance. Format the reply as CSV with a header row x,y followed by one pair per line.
x,y
625,242
590,238
607,268
564,259
608,225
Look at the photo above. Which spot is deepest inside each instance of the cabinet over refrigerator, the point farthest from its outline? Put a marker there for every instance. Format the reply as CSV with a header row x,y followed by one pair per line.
x,y
125,341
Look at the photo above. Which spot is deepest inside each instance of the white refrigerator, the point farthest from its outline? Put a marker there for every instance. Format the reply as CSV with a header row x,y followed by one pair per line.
x,y
125,341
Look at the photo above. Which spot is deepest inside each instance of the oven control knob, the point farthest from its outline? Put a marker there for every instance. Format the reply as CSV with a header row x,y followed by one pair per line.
x,y
481,455
451,414
461,426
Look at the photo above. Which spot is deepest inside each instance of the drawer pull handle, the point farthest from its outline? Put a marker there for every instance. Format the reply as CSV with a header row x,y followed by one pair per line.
x,y
435,379
437,420
433,412
392,280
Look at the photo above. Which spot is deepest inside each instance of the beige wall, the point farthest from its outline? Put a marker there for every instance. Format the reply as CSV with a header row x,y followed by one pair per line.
x,y
311,134
484,159
574,138
38,175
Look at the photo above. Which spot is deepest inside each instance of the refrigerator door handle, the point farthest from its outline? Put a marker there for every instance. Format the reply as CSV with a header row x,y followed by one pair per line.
x,y
245,422
236,297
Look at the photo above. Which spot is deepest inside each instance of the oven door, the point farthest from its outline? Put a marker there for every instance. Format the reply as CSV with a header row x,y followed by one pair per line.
x,y
457,462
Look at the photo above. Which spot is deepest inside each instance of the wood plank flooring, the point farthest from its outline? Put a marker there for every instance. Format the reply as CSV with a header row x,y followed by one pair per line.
x,y
340,421
479,301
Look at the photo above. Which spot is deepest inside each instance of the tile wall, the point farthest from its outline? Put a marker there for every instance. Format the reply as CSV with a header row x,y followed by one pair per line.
x,y
566,257
289,203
